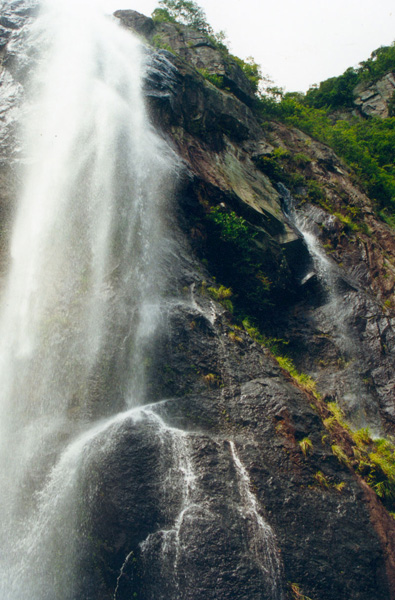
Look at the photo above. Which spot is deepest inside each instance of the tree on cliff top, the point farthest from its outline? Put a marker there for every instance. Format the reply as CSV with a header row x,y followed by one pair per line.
x,y
186,12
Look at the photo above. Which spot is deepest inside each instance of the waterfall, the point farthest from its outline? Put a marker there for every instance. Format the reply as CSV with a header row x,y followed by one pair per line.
x,y
84,448
82,300
335,317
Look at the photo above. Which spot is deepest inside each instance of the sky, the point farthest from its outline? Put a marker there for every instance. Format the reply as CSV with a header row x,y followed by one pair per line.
x,y
297,42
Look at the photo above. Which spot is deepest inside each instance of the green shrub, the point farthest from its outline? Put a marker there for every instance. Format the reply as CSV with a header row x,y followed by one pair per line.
x,y
238,261
251,70
186,12
233,228
213,78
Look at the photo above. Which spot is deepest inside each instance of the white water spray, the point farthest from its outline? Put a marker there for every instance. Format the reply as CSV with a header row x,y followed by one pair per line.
x,y
335,316
82,304
83,295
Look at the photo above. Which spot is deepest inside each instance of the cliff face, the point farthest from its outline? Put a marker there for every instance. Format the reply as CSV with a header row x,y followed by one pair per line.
x,y
372,99
316,286
230,160
335,316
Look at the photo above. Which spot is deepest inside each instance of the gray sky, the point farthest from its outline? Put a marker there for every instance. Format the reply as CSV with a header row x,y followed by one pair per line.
x,y
296,42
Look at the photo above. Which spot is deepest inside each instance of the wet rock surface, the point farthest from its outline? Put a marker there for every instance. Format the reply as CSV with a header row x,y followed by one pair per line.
x,y
325,539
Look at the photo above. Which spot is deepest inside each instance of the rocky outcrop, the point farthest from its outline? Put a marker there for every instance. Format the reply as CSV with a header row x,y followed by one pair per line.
x,y
225,151
226,385
372,99
193,47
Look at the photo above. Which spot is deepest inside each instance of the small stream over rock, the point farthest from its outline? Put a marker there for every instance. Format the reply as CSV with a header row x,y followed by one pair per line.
x,y
337,318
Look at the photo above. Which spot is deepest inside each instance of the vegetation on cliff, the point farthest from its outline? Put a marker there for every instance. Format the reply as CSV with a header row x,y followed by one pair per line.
x,y
252,281
367,145
338,92
185,12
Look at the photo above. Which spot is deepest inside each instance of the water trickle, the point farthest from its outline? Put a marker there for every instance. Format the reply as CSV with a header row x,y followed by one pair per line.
x,y
261,537
178,490
336,318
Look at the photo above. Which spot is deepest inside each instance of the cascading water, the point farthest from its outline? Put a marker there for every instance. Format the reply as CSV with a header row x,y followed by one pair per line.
x,y
336,316
92,256
82,299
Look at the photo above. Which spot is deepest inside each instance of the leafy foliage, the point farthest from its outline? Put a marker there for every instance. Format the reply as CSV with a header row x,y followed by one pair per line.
x,y
367,145
222,295
186,12
306,445
234,229
237,260
297,593
305,381
337,92
217,80
251,70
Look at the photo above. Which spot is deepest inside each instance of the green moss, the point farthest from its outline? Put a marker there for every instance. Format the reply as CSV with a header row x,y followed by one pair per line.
x,y
306,446
362,437
347,221
305,381
159,42
296,592
374,459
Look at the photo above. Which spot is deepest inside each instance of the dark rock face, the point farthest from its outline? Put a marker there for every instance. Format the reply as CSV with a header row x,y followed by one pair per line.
x,y
324,538
328,546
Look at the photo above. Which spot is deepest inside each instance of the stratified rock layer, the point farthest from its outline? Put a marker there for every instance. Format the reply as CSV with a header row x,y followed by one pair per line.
x,y
372,99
